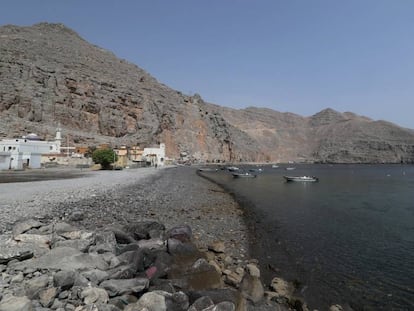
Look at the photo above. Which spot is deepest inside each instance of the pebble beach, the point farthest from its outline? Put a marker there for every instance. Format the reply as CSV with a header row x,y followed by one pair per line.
x,y
173,196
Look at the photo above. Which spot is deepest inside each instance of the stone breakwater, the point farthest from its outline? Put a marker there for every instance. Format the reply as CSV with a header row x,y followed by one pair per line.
x,y
132,240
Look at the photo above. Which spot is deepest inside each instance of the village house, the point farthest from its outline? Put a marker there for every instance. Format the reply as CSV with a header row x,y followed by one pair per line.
x,y
122,154
26,152
154,156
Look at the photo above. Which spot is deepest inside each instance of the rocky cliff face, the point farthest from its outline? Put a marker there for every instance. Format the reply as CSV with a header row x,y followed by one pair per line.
x,y
52,77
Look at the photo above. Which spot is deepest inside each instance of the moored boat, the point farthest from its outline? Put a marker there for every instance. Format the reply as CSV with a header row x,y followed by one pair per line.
x,y
232,168
207,169
301,178
243,175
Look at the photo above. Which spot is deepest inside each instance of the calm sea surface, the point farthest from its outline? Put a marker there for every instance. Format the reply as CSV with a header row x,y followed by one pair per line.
x,y
347,239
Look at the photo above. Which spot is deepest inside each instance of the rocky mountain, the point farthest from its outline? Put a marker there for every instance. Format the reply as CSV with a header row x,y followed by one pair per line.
x,y
52,77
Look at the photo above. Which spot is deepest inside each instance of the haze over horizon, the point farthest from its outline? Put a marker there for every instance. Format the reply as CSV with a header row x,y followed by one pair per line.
x,y
289,56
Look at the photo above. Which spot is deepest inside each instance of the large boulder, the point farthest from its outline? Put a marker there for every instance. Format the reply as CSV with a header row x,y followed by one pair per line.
x,y
125,286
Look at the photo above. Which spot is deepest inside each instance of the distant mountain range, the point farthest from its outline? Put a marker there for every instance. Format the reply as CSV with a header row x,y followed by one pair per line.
x,y
52,77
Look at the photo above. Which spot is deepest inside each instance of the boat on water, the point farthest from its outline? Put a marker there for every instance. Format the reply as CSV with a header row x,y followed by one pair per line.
x,y
232,168
244,175
275,166
207,169
301,178
258,170
290,168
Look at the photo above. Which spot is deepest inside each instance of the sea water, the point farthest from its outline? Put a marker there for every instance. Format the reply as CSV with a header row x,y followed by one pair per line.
x,y
347,239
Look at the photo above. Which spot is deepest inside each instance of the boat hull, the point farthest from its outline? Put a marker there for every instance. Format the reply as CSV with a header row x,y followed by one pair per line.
x,y
301,178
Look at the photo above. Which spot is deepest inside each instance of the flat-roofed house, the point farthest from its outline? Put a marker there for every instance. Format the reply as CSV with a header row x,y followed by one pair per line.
x,y
19,153
154,156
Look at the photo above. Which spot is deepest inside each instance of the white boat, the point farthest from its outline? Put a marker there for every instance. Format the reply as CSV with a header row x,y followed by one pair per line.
x,y
301,178
232,168
290,168
258,170
275,166
243,175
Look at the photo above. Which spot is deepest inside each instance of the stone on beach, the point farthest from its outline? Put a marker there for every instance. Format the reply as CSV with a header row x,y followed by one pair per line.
x,y
104,251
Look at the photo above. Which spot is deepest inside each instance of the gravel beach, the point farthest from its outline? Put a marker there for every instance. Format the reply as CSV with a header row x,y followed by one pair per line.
x,y
173,196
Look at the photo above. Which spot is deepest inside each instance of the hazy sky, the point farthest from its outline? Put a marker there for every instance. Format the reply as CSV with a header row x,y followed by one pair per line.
x,y
297,56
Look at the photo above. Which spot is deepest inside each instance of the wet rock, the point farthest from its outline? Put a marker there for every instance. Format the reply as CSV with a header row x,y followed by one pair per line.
x,y
336,308
252,288
217,247
282,288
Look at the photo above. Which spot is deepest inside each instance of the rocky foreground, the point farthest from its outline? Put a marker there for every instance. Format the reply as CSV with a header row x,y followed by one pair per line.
x,y
171,241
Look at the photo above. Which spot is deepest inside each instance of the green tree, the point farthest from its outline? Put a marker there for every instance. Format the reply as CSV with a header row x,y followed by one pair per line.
x,y
104,157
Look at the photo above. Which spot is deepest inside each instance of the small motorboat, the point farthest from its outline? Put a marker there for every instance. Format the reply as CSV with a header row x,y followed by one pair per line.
x,y
301,178
290,168
232,168
258,170
207,169
275,166
244,175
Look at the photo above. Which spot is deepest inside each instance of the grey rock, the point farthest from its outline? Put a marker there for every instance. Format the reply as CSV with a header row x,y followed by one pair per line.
x,y
252,288
178,248
12,303
95,276
218,295
94,295
124,286
152,301
9,250
80,244
146,230
34,286
65,258
181,233
47,296
152,244
64,279
201,303
105,242
25,225
224,306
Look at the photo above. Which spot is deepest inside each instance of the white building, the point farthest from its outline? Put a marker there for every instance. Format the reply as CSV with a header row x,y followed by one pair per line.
x,y
18,153
155,156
